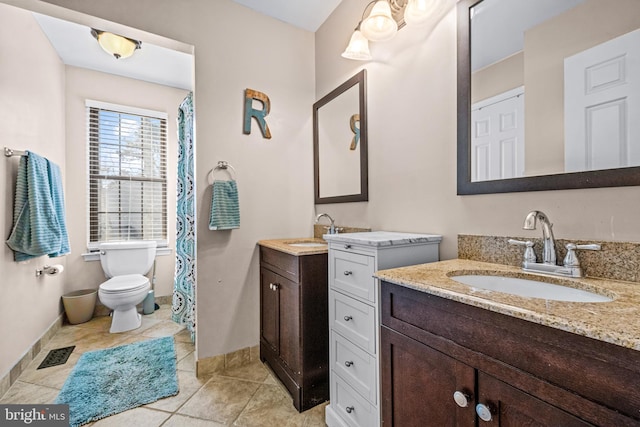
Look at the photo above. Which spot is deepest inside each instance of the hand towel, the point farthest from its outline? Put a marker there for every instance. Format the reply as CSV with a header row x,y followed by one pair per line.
x,y
38,214
225,209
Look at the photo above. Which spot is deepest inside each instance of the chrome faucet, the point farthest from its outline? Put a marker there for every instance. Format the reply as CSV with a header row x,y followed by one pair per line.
x,y
548,241
571,265
332,228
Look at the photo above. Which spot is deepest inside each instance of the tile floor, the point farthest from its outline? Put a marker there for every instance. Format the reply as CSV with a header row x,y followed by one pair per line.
x,y
248,396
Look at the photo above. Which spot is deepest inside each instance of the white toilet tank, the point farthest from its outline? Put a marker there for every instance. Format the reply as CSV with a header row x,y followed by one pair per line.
x,y
129,257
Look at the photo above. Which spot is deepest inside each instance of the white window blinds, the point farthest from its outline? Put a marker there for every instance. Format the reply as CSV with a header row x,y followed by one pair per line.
x,y
127,174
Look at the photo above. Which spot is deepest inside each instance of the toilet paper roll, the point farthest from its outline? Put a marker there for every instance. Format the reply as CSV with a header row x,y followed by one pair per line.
x,y
55,269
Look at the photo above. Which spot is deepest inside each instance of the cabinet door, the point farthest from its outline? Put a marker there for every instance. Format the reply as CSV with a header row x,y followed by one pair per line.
x,y
289,320
269,309
511,407
418,385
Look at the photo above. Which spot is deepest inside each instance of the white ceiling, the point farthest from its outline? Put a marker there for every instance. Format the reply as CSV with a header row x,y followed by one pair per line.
x,y
77,47
305,14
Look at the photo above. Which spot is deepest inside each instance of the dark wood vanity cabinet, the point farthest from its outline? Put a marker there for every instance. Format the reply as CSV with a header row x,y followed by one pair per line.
x,y
294,333
521,372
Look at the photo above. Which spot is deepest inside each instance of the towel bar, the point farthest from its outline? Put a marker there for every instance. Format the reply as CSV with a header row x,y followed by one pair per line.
x,y
10,152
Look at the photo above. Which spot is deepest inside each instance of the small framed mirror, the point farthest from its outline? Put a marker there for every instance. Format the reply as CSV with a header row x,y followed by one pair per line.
x,y
340,143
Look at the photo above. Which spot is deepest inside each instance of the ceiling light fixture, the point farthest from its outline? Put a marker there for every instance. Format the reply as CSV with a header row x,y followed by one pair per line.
x,y
116,45
384,20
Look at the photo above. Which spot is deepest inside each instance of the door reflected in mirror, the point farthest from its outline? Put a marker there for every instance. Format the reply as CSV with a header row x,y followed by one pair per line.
x,y
555,91
340,143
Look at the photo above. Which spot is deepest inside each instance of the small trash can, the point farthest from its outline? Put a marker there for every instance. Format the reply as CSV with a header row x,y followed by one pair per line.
x,y
79,305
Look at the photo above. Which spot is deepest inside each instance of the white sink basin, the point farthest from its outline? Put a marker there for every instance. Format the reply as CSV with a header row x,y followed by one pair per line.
x,y
307,245
530,288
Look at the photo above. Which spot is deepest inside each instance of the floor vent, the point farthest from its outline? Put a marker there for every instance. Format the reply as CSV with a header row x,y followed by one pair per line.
x,y
57,357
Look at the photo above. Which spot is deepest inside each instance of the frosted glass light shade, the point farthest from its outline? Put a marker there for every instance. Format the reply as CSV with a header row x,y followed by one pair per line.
x,y
358,48
418,12
379,25
113,44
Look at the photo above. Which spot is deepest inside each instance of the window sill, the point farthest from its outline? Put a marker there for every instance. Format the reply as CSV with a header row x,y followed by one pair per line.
x,y
95,255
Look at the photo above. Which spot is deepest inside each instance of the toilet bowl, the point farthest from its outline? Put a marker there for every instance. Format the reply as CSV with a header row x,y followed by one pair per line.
x,y
121,294
125,264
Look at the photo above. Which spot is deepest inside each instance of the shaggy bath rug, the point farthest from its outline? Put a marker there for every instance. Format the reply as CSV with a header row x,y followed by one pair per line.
x,y
106,382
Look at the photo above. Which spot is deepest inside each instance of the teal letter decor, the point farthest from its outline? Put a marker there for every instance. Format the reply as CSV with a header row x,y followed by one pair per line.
x,y
259,115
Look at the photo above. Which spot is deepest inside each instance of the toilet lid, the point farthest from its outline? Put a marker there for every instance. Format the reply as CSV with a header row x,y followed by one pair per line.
x,y
124,283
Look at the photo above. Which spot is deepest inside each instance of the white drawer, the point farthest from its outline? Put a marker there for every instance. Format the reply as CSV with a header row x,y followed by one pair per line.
x,y
354,320
354,365
353,274
350,406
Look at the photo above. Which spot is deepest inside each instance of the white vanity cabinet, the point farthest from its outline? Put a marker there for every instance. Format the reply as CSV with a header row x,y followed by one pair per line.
x,y
354,322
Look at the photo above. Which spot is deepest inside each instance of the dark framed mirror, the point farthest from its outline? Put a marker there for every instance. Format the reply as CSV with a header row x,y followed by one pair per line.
x,y
565,32
340,143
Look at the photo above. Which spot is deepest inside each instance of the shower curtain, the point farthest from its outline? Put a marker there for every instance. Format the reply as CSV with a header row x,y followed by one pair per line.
x,y
184,289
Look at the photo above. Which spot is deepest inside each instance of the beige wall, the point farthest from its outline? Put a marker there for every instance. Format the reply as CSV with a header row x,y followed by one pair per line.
x,y
497,78
31,118
235,49
83,84
412,147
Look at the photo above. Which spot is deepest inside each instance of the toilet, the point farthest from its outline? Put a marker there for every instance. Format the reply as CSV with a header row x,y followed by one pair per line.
x,y
125,264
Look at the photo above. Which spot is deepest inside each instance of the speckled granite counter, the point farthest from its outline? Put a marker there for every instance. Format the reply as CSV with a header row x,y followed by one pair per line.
x,y
616,322
284,245
383,238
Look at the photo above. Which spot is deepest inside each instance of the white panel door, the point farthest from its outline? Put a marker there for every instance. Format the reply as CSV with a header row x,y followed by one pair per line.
x,y
497,137
602,106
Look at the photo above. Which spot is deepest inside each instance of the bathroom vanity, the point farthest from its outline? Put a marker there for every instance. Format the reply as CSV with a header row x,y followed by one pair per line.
x,y
294,338
354,302
453,355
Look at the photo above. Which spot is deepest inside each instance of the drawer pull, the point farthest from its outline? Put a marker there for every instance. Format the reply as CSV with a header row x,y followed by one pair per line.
x,y
348,273
271,286
347,318
348,363
461,399
484,412
349,409
347,246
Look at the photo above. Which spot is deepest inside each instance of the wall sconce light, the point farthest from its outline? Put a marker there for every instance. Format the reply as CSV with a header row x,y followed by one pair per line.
x,y
384,20
113,44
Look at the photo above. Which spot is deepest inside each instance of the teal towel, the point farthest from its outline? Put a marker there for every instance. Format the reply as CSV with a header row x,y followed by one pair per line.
x,y
38,213
225,209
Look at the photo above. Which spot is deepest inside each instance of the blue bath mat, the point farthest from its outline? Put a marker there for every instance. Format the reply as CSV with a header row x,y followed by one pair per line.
x,y
106,382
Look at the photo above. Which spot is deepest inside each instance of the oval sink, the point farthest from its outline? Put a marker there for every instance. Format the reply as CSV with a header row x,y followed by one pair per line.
x,y
530,288
307,245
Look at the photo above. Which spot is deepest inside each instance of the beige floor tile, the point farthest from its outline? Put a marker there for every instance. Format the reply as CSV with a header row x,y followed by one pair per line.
x,y
163,328
29,394
100,323
54,376
315,416
251,372
270,407
184,421
188,385
68,335
188,363
183,336
134,417
164,313
221,399
183,349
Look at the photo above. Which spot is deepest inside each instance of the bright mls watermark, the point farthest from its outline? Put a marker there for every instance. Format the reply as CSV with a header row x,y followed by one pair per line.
x,y
34,415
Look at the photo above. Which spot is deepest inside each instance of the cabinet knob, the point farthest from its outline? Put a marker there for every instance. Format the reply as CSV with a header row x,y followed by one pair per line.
x,y
348,363
462,399
347,318
348,273
484,412
271,286
347,246
349,409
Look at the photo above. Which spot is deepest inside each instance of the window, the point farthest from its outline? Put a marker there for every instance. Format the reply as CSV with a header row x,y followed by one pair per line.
x,y
127,174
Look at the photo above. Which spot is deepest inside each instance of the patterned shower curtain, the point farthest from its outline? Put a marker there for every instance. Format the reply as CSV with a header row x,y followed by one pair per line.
x,y
184,289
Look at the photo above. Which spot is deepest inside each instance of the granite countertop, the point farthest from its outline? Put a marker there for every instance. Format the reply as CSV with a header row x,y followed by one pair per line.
x,y
382,238
284,245
616,322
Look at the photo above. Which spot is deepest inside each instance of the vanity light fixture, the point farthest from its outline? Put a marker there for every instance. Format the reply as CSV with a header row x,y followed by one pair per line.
x,y
384,20
116,45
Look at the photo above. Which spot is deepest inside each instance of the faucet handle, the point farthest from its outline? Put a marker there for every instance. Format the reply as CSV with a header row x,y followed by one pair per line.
x,y
571,259
529,254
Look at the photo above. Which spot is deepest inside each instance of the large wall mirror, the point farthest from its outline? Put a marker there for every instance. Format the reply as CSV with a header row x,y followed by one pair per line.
x,y
340,143
548,95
